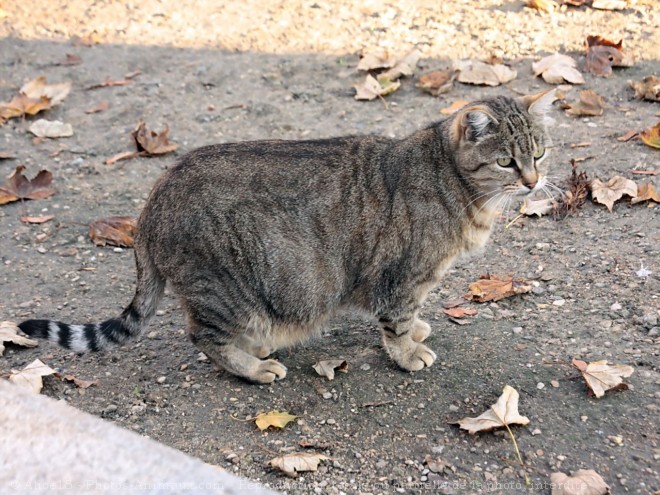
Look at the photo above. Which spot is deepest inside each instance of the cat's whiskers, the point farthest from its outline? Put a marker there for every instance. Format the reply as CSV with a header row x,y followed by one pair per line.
x,y
477,198
497,196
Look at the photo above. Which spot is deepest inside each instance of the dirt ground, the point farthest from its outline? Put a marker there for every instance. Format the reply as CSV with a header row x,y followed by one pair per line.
x,y
228,71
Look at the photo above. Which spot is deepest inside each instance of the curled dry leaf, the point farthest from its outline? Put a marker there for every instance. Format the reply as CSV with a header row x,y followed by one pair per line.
x,y
538,207
22,105
437,82
583,482
608,193
459,312
590,103
405,66
557,69
9,333
151,142
376,60
603,54
39,88
31,376
651,136
51,129
39,219
601,377
454,107
646,192
124,155
435,465
101,106
292,464
579,186
277,419
17,186
503,413
115,231
494,288
544,5
108,83
6,155
371,88
327,368
647,89
478,72
78,382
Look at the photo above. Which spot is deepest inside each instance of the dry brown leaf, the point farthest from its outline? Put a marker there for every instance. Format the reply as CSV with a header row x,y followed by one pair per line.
x,y
9,333
651,136
590,103
608,193
647,89
22,105
628,136
124,155
39,219
39,88
377,60
151,142
277,419
459,312
478,72
6,155
115,231
435,465
454,107
108,83
452,303
70,59
579,186
31,376
437,82
544,5
609,4
327,368
646,192
78,382
371,88
405,66
494,288
601,377
17,186
51,129
538,207
292,464
583,482
503,413
646,172
557,69
603,54
575,3
102,106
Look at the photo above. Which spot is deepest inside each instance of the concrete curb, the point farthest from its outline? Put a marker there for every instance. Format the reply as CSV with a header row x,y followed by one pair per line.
x,y
48,447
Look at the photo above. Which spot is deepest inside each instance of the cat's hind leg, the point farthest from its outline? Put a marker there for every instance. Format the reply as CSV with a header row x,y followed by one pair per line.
x,y
399,343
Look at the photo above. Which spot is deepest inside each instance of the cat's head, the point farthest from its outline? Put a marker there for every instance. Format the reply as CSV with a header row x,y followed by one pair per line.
x,y
501,143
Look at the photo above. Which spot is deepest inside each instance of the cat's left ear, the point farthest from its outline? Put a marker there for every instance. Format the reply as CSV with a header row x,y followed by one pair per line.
x,y
473,123
539,105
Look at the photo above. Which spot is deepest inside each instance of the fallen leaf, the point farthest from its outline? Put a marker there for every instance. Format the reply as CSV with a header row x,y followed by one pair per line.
x,y
6,155
124,155
603,54
405,66
89,39
454,107
503,413
21,105
327,368
601,377
31,376
609,4
575,3
646,172
132,74
579,186
557,69
544,5
9,333
40,219
292,464
628,136
376,60
151,142
17,186
71,59
78,382
371,88
115,231
51,129
437,82
459,312
435,465
494,288
583,482
478,72
452,303
647,89
538,207
608,193
646,192
590,103
102,106
276,419
39,88
651,136
108,83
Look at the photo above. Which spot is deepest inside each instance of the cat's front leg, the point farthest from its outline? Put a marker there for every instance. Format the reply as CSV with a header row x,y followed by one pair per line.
x,y
400,342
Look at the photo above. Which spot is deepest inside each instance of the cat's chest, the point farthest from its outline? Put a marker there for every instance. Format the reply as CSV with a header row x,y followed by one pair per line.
x,y
475,238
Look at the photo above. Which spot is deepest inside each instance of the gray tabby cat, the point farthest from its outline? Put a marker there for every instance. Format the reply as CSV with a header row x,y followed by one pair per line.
x,y
265,241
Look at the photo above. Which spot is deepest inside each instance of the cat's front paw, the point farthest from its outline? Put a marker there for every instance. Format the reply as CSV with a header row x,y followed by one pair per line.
x,y
419,358
267,372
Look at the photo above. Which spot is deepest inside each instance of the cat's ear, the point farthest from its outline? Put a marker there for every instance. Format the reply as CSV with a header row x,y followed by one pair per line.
x,y
539,105
474,123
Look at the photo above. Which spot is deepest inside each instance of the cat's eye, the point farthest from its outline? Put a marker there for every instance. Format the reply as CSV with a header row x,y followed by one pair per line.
x,y
505,162
540,151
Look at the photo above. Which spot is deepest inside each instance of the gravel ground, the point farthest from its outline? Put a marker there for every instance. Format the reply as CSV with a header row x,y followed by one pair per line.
x,y
228,71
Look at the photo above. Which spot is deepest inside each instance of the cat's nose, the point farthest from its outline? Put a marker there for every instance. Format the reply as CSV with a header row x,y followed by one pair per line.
x,y
531,185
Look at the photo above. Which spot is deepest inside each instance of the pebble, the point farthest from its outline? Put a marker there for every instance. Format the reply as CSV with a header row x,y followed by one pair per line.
x,y
654,331
118,250
42,250
615,307
554,383
453,408
517,330
365,367
559,302
540,385
110,409
331,422
161,379
327,395
202,357
382,464
561,458
536,432
584,418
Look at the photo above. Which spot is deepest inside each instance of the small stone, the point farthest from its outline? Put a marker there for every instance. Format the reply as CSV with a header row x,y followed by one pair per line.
x,y
110,409
327,395
517,330
202,357
331,422
554,383
536,432
615,307
540,385
382,464
559,302
584,418
42,250
616,439
421,405
365,367
152,335
118,250
161,379
654,332
453,408
561,458
183,367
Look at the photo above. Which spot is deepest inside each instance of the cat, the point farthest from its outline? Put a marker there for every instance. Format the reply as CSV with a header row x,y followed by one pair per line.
x,y
265,241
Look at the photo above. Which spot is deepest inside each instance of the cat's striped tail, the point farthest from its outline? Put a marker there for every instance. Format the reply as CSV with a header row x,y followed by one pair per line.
x,y
110,333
